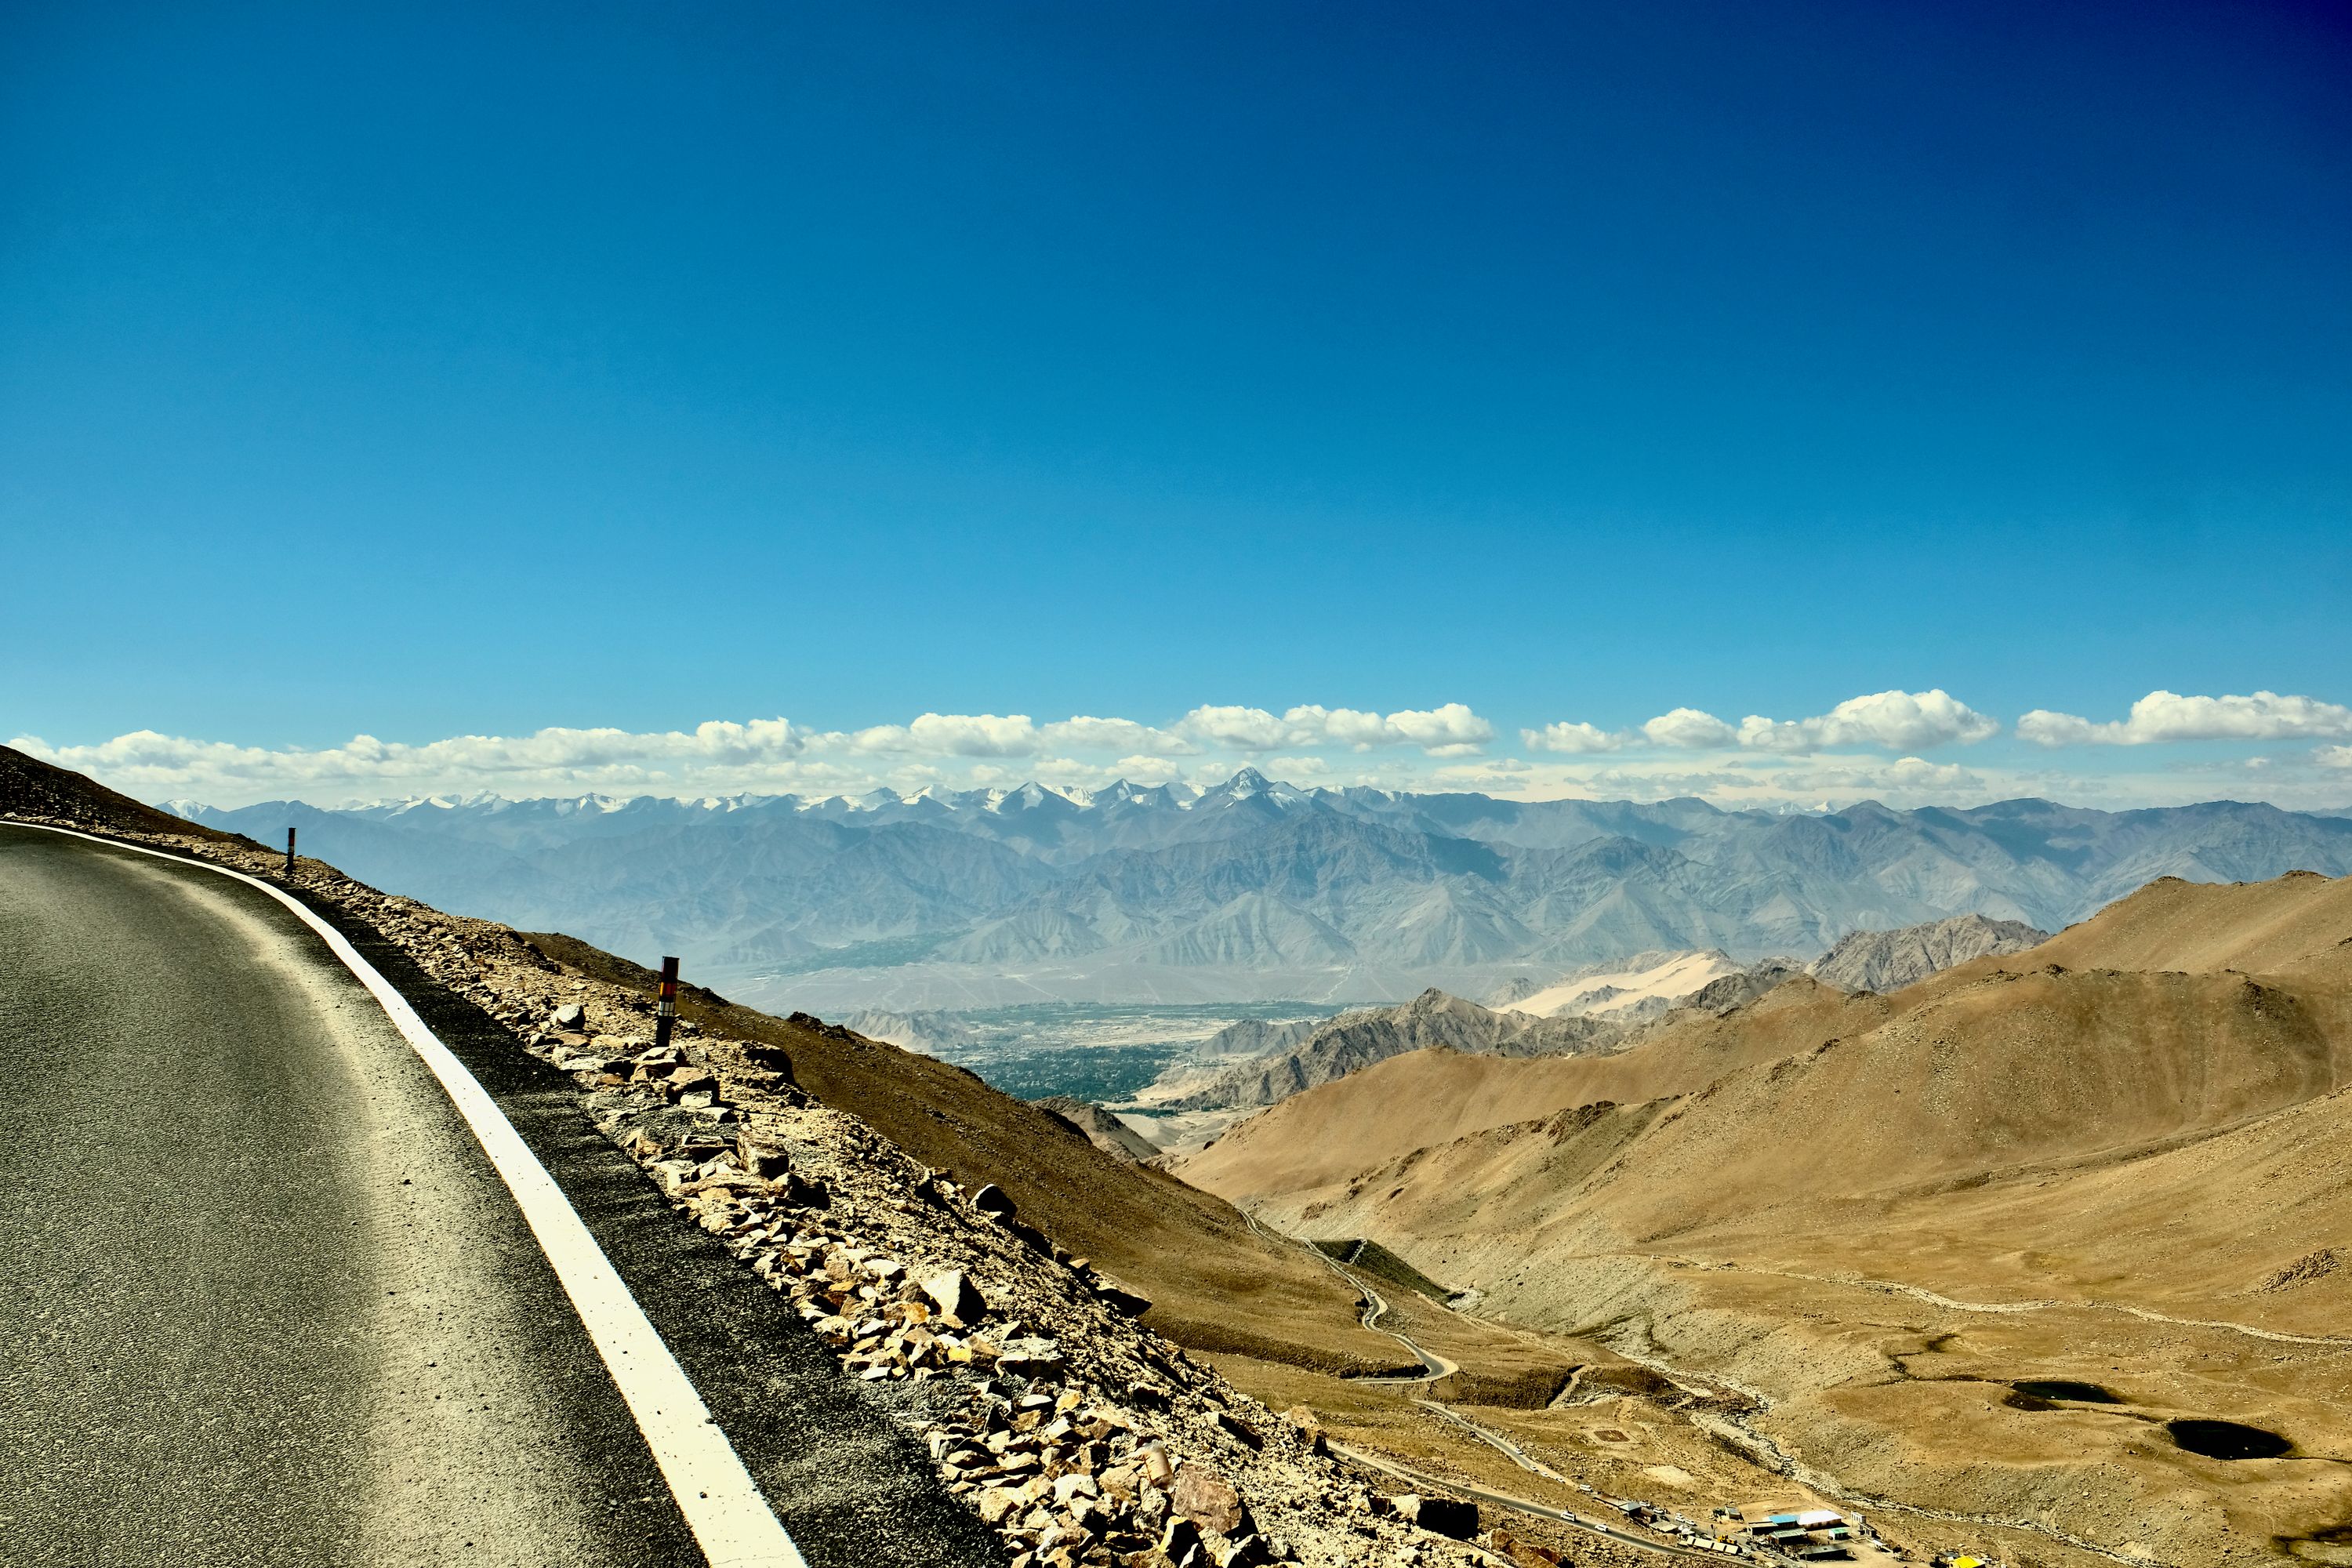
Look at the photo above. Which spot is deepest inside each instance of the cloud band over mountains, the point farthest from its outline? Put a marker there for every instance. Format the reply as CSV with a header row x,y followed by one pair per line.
x,y
1900,720
1861,746
2162,716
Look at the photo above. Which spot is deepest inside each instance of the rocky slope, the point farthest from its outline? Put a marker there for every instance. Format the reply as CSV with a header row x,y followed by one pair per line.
x,y
1737,989
1322,1138
1256,1037
1890,960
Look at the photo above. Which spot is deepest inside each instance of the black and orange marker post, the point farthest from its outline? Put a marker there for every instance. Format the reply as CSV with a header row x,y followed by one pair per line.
x,y
666,1013
289,853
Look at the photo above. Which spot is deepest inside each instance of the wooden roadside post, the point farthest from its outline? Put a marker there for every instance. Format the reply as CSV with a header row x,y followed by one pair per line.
x,y
666,1012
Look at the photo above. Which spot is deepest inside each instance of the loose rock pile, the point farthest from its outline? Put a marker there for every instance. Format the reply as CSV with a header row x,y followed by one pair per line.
x,y
1077,1433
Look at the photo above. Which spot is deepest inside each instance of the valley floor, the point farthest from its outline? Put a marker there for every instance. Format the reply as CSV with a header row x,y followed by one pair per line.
x,y
1572,1424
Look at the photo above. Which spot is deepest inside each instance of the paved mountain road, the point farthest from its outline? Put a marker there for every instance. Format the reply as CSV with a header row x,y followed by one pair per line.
x,y
263,1300
1375,1308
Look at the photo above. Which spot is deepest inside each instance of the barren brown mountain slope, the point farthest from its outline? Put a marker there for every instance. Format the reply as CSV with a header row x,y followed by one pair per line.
x,y
2039,1076
2134,1178
1330,1133
2300,924
31,787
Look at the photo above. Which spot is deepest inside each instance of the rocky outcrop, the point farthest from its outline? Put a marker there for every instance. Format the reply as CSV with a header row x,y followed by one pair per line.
x,y
1357,1039
1738,990
1256,1037
1105,1130
1886,960
1517,988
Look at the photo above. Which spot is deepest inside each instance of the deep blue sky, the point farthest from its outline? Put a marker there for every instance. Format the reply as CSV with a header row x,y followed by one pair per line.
x,y
424,371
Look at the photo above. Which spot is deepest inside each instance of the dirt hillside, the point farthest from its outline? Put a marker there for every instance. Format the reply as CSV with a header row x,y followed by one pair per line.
x,y
1430,1096
2122,1161
30,787
2300,924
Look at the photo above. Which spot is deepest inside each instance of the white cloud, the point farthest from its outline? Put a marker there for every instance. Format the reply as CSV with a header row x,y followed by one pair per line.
x,y
1239,729
1899,721
1905,776
144,757
2162,716
769,755
765,755
1006,735
1085,734
1317,725
2333,756
1449,730
1500,776
1146,769
1689,730
2044,728
1570,739
952,735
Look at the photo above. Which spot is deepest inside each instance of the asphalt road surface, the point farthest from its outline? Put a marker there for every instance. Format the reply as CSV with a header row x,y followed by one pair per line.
x,y
264,1300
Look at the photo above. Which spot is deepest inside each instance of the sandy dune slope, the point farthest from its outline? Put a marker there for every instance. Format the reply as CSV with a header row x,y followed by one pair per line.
x,y
1620,989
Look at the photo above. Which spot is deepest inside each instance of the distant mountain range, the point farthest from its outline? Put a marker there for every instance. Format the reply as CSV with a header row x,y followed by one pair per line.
x,y
1250,889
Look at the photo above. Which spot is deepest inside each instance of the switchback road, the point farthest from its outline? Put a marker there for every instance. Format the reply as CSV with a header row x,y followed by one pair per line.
x,y
264,1299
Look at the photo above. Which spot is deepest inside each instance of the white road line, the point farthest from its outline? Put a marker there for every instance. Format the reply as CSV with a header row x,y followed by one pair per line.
x,y
731,1521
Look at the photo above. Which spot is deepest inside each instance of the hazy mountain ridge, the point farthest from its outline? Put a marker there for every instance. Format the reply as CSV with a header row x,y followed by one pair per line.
x,y
1255,884
932,1034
